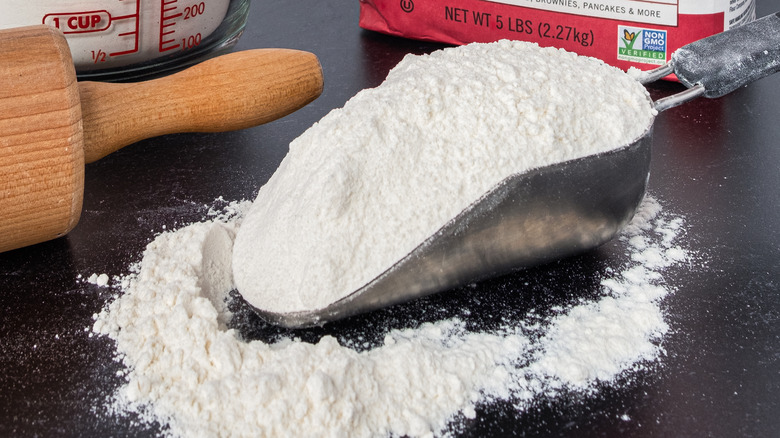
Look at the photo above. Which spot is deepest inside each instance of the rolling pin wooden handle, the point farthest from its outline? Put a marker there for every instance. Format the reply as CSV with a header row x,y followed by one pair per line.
x,y
50,124
229,92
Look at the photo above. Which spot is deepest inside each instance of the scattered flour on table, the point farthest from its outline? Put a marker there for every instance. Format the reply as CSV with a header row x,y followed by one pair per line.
x,y
372,180
98,279
186,369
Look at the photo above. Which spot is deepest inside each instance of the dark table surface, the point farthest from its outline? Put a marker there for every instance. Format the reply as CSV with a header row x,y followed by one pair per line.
x,y
715,162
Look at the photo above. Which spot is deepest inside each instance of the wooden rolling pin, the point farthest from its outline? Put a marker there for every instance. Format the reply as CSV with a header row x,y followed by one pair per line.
x,y
51,125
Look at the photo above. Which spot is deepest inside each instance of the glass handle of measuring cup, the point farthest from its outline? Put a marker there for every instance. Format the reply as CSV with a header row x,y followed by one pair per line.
x,y
234,91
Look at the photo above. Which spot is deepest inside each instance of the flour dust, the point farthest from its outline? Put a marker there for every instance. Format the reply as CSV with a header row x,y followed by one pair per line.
x,y
197,361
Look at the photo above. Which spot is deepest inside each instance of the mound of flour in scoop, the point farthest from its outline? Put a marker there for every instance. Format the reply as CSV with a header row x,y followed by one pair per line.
x,y
372,180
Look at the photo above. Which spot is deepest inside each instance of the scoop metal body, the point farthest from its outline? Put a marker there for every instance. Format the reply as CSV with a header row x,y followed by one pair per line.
x,y
560,210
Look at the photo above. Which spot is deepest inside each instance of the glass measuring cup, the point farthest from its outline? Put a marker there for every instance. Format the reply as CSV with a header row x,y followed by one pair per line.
x,y
127,39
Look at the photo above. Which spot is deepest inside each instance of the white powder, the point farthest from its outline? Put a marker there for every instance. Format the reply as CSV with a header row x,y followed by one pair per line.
x,y
364,183
370,181
186,370
98,279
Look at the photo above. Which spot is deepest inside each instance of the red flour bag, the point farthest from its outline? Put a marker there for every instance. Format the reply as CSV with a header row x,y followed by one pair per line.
x,y
623,33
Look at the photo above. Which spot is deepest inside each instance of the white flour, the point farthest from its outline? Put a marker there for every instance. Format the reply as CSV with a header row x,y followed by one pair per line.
x,y
358,190
98,279
188,371
370,181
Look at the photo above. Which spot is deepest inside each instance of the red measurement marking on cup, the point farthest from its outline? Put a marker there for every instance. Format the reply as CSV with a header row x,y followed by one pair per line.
x,y
134,33
169,13
80,22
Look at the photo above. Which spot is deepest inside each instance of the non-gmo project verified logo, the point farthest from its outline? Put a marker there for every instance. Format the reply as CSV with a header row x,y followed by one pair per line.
x,y
637,44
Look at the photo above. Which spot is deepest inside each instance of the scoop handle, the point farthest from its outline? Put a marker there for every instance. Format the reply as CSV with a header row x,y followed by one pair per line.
x,y
726,61
229,92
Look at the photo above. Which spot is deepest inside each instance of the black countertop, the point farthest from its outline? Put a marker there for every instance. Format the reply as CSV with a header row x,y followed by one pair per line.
x,y
715,162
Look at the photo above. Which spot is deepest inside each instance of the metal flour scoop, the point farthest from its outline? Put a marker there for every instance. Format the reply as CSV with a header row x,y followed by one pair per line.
x,y
563,209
